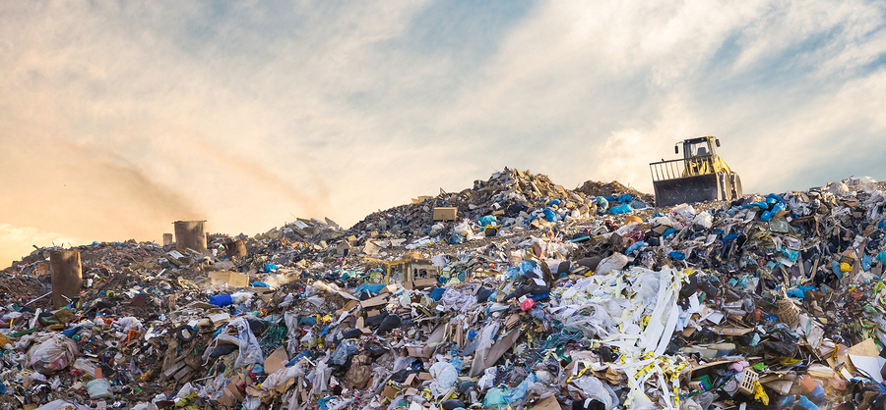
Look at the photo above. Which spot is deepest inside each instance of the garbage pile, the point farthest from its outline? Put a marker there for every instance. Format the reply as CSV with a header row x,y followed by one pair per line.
x,y
534,296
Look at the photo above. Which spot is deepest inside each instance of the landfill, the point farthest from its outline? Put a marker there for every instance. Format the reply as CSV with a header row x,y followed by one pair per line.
x,y
515,293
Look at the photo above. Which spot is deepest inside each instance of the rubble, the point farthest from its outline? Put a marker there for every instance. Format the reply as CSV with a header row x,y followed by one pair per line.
x,y
534,296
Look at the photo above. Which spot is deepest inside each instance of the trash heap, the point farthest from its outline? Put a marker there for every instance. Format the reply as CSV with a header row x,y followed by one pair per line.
x,y
533,297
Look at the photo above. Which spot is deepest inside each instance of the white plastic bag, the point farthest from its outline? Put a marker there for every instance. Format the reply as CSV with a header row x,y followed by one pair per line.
x,y
488,380
444,375
591,388
53,354
463,229
612,263
250,350
704,219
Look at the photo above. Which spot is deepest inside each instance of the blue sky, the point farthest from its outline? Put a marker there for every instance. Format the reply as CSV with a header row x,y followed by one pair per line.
x,y
117,118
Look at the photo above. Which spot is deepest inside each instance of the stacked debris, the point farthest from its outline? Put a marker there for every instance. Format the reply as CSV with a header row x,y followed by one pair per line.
x,y
533,296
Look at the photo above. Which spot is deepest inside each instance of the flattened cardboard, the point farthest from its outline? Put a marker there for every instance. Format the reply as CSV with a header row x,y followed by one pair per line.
x,y
733,331
865,348
420,284
512,321
231,394
379,300
549,403
436,336
276,361
500,347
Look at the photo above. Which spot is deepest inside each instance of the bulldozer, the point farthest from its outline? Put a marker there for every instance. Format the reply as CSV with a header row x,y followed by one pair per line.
x,y
701,175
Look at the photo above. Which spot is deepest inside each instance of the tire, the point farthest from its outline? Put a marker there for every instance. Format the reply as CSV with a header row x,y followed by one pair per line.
x,y
736,187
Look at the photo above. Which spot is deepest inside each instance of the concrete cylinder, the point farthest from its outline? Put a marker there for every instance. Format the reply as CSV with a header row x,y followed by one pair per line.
x,y
167,239
66,274
236,249
189,235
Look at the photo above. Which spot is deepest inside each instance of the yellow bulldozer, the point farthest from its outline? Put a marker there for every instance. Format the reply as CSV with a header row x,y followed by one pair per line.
x,y
701,175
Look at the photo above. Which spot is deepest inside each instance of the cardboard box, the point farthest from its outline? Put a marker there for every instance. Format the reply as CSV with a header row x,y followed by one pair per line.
x,y
232,279
420,284
445,214
390,392
419,351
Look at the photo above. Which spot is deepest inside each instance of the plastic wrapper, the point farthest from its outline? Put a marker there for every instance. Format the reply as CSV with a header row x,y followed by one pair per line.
x,y
54,354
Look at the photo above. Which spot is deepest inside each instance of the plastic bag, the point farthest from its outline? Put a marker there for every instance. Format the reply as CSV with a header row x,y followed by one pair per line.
x,y
488,380
444,375
519,392
611,263
592,320
344,350
602,203
320,377
704,219
53,354
488,220
250,350
621,209
463,229
86,366
57,405
99,389
590,387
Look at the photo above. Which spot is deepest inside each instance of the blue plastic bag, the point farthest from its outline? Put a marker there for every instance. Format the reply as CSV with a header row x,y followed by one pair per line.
x,y
550,215
488,220
621,209
768,215
790,253
603,203
221,300
677,255
519,392
635,246
437,293
372,288
773,198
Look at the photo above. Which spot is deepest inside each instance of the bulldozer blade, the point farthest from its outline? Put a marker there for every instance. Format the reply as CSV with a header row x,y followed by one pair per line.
x,y
709,187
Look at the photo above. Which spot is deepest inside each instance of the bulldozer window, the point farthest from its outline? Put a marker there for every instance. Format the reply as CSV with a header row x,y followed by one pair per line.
x,y
697,149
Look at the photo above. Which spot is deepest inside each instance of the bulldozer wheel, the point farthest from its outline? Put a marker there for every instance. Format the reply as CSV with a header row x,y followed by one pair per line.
x,y
736,187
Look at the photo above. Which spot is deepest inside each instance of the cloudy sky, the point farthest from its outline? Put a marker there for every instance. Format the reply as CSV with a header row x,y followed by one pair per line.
x,y
117,118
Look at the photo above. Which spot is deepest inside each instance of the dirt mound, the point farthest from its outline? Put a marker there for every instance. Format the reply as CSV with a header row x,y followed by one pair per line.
x,y
597,188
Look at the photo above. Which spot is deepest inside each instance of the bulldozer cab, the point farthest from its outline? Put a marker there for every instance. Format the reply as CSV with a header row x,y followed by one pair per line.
x,y
697,147
700,156
701,175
